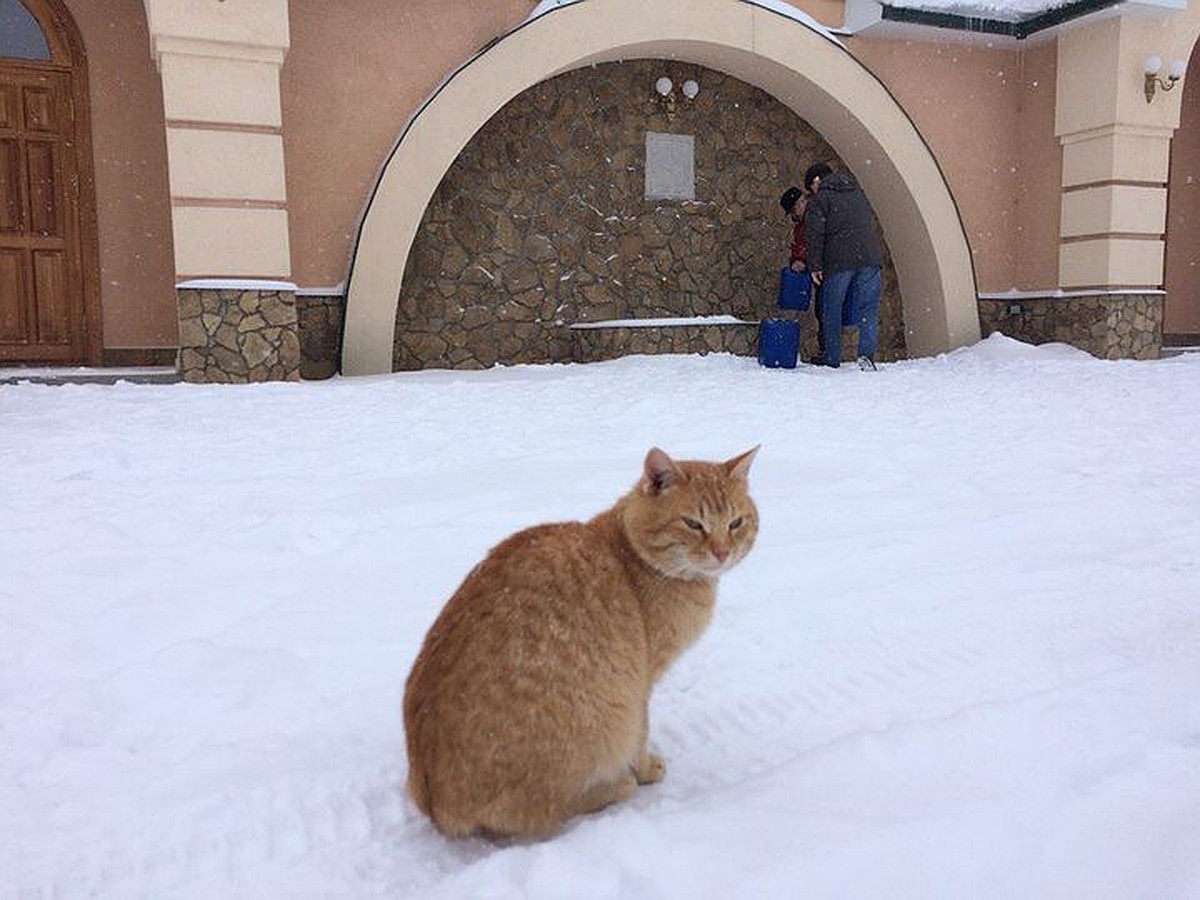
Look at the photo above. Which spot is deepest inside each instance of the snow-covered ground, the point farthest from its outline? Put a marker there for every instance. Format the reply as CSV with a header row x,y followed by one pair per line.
x,y
962,661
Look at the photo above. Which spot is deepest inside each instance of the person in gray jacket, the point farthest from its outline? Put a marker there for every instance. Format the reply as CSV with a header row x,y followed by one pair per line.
x,y
844,258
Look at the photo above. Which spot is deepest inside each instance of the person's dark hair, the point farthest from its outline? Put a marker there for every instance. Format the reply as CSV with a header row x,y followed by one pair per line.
x,y
816,170
789,198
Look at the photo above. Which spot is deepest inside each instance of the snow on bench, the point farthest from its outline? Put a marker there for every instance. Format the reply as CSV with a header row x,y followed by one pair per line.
x,y
664,323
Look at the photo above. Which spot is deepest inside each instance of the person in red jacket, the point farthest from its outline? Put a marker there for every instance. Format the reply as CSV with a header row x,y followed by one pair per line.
x,y
795,202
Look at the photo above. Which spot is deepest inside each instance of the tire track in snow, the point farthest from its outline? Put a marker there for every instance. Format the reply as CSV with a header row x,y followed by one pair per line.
x,y
834,688
282,828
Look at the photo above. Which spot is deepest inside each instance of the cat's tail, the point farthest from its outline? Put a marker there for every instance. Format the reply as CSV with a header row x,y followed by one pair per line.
x,y
418,777
418,789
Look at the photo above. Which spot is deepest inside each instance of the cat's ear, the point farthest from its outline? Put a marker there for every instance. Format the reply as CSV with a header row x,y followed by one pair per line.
x,y
659,472
739,466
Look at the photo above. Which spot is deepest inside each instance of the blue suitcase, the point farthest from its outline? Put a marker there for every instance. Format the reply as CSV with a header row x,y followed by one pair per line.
x,y
778,343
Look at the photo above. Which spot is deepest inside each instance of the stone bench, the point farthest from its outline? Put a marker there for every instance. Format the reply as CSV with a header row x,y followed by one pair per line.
x,y
609,339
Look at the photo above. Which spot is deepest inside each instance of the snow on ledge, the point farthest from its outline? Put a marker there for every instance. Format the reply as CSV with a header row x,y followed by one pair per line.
x,y
1060,294
338,290
663,323
235,284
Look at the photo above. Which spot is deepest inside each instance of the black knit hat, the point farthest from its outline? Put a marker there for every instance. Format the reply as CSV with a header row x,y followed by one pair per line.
x,y
789,198
815,171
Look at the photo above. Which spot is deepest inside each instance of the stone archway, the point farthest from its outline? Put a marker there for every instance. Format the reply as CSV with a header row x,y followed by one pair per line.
x,y
793,59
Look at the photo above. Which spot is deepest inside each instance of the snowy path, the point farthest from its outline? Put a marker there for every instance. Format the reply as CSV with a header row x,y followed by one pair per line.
x,y
963,660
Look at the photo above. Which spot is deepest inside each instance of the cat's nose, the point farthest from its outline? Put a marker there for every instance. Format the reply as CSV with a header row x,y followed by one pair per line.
x,y
721,553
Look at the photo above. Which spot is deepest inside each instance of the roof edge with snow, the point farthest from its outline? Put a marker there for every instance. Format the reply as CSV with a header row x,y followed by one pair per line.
x,y
984,19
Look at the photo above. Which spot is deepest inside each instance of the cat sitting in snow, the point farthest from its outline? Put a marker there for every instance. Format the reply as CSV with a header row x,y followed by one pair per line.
x,y
528,702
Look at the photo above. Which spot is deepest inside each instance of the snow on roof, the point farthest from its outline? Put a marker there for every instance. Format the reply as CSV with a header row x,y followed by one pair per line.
x,y
997,10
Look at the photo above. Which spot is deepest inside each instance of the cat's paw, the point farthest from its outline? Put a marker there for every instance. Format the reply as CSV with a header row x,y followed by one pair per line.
x,y
651,769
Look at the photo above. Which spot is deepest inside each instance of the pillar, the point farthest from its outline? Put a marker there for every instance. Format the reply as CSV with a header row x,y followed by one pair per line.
x,y
1116,153
220,64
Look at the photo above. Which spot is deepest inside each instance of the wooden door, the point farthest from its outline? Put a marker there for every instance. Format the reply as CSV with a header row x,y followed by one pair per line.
x,y
42,316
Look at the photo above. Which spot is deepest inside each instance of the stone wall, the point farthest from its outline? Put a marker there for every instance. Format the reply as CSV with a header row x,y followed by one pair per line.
x,y
542,223
321,321
1109,326
238,336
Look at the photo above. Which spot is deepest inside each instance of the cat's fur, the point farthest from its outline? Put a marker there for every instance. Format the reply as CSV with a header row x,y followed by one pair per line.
x,y
528,702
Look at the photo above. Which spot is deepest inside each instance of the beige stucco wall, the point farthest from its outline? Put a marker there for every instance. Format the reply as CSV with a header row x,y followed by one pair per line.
x,y
1038,179
349,84
1003,167
980,155
137,292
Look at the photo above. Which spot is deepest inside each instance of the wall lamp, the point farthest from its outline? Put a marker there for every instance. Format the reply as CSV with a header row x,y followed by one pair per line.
x,y
664,90
1153,66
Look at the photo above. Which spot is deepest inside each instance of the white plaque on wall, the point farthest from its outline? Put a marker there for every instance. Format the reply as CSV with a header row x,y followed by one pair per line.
x,y
670,166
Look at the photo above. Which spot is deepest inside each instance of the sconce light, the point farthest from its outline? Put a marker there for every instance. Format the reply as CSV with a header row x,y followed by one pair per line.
x,y
1153,66
664,88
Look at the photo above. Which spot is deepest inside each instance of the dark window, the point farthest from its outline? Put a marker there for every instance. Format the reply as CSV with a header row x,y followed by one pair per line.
x,y
20,34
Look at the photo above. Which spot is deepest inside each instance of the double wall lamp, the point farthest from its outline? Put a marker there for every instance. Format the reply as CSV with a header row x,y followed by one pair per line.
x,y
664,90
1153,68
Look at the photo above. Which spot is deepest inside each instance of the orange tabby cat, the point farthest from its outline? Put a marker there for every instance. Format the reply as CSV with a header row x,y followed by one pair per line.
x,y
528,702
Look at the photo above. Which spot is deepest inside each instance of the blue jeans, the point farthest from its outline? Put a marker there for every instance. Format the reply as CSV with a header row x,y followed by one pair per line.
x,y
859,289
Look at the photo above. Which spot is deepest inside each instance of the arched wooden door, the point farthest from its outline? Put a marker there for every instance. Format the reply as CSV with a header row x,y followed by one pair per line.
x,y
49,310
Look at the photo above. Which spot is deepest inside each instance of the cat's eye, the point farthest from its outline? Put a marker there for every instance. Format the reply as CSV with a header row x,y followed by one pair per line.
x,y
692,524
737,523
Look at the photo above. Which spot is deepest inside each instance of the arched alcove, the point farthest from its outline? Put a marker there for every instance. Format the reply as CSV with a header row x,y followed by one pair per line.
x,y
794,61
542,223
